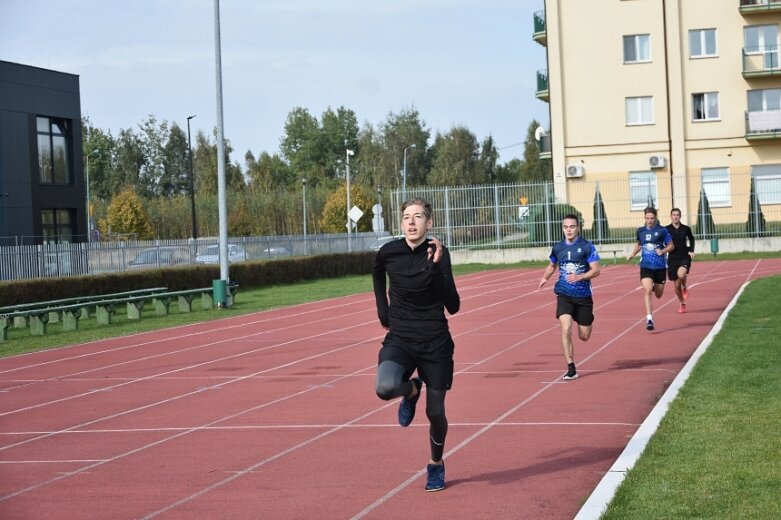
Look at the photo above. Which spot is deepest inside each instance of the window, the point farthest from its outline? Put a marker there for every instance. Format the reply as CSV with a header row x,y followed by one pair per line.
x,y
702,43
762,39
715,182
53,158
642,189
637,48
57,225
705,106
639,110
767,182
764,100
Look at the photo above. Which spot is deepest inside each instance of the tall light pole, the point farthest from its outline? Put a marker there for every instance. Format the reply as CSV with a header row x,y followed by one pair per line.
x,y
349,227
404,174
192,181
303,183
89,217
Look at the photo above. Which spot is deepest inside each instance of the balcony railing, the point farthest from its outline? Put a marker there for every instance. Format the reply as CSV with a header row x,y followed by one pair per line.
x,y
759,6
540,31
542,85
761,61
763,124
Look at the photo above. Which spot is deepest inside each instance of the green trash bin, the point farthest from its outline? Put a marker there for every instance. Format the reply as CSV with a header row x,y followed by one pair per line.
x,y
714,245
220,293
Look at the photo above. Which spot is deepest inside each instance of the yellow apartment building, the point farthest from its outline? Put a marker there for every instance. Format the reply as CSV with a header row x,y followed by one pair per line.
x,y
656,100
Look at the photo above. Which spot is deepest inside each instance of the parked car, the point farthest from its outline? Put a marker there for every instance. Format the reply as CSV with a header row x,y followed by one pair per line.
x,y
211,255
160,257
275,252
377,244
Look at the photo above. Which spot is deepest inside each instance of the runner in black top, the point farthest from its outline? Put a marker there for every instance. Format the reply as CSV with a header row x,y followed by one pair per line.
x,y
679,260
418,338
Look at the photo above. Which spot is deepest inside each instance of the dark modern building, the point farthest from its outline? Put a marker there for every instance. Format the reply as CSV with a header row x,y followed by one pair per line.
x,y
42,192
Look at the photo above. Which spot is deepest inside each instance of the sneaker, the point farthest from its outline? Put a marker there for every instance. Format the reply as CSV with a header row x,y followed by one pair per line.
x,y
649,325
571,373
685,292
682,308
407,406
435,480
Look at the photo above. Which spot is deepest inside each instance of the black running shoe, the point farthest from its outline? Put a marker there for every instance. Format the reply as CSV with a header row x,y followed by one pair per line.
x,y
407,406
435,478
649,325
571,373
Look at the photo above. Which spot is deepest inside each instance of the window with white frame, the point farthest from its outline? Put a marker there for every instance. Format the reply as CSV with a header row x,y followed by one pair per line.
x,y
702,43
763,100
715,182
637,48
763,40
705,106
642,190
767,183
640,110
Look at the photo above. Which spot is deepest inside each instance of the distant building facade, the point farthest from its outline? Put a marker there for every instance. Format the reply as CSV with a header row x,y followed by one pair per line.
x,y
42,190
666,99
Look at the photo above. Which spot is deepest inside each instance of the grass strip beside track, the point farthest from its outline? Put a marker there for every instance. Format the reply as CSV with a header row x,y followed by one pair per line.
x,y
717,453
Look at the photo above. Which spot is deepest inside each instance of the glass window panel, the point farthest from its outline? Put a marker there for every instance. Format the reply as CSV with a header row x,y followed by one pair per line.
x,y
767,181
773,98
42,124
695,46
751,39
698,107
45,167
629,48
716,183
61,170
755,100
644,44
710,42
713,105
642,189
647,108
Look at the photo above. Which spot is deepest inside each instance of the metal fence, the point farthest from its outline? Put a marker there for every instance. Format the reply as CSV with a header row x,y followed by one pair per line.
x,y
721,204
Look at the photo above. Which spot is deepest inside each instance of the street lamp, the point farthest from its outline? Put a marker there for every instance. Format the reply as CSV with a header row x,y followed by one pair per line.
x,y
303,183
89,219
192,181
349,228
404,174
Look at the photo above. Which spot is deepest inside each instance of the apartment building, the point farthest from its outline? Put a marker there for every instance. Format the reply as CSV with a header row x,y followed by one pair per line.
x,y
663,100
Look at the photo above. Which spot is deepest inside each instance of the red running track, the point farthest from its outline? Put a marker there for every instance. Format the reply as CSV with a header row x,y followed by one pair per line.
x,y
273,415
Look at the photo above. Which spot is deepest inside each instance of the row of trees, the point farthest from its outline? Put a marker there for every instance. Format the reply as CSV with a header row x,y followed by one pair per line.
x,y
152,164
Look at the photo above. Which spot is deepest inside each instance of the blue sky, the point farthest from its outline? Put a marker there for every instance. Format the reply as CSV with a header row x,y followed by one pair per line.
x,y
458,62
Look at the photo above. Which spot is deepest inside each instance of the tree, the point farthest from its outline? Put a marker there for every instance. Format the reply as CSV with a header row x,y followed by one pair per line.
x,y
175,179
705,226
126,214
487,172
269,172
756,224
599,228
398,132
129,157
510,171
456,159
152,140
533,168
301,146
205,165
335,211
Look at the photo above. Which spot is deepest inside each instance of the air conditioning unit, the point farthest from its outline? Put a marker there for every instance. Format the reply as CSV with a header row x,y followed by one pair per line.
x,y
657,161
575,170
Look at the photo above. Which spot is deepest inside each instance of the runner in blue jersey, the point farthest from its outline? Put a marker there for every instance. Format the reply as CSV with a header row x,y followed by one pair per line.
x,y
578,262
654,241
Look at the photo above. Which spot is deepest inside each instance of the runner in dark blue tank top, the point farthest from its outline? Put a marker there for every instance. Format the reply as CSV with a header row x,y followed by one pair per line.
x,y
578,263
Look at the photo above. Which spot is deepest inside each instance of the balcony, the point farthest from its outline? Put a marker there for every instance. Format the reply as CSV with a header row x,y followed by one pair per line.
x,y
542,85
540,32
760,62
763,124
544,145
759,6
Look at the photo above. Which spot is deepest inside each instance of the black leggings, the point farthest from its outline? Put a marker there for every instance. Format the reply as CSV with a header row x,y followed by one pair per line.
x,y
390,383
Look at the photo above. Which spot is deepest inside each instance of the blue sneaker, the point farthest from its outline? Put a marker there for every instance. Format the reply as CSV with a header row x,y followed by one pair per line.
x,y
435,480
407,406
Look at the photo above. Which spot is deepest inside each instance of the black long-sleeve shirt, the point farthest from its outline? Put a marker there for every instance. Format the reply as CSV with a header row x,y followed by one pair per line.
x,y
680,235
420,291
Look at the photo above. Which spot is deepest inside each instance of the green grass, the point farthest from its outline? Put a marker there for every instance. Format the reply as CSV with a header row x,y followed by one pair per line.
x,y
717,453
247,300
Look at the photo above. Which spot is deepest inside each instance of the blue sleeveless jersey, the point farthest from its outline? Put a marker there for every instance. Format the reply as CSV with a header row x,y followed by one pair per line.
x,y
650,240
573,258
